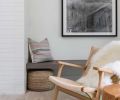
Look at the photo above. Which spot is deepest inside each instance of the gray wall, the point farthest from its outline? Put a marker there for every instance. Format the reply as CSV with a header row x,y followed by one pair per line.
x,y
44,20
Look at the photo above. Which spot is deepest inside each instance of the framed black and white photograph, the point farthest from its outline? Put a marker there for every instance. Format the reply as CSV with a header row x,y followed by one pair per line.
x,y
89,18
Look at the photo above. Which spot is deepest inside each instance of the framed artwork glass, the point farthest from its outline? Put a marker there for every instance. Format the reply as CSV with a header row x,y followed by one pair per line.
x,y
89,18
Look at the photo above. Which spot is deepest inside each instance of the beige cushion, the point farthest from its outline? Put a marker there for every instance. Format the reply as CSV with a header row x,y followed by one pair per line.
x,y
69,85
39,51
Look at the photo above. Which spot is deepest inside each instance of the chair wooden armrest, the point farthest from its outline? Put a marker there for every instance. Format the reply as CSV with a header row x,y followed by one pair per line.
x,y
70,84
63,64
101,72
70,64
105,70
88,90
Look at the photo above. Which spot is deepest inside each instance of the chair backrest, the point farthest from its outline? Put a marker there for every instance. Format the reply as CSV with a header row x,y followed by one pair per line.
x,y
91,54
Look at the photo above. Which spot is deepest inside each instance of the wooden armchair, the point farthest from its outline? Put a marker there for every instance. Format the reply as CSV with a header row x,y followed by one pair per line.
x,y
72,87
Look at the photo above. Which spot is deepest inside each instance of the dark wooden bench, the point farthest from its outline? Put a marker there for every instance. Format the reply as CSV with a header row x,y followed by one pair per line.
x,y
71,73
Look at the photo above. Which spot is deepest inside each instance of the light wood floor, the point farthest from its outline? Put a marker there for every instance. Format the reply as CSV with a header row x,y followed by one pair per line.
x,y
37,96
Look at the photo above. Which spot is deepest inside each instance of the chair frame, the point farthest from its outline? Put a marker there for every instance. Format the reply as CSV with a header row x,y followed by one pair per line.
x,y
96,92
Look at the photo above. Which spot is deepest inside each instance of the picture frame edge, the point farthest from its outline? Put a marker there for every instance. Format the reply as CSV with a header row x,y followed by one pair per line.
x,y
62,25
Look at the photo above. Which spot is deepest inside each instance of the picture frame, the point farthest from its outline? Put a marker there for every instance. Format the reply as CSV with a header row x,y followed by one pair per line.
x,y
89,18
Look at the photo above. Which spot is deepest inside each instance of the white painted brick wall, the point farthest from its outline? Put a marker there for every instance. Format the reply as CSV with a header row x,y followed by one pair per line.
x,y
12,60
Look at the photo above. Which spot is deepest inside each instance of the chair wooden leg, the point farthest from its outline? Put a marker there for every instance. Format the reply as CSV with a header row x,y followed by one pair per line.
x,y
94,97
55,95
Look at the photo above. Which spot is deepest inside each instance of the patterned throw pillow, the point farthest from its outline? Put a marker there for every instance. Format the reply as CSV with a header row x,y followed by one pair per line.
x,y
39,51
